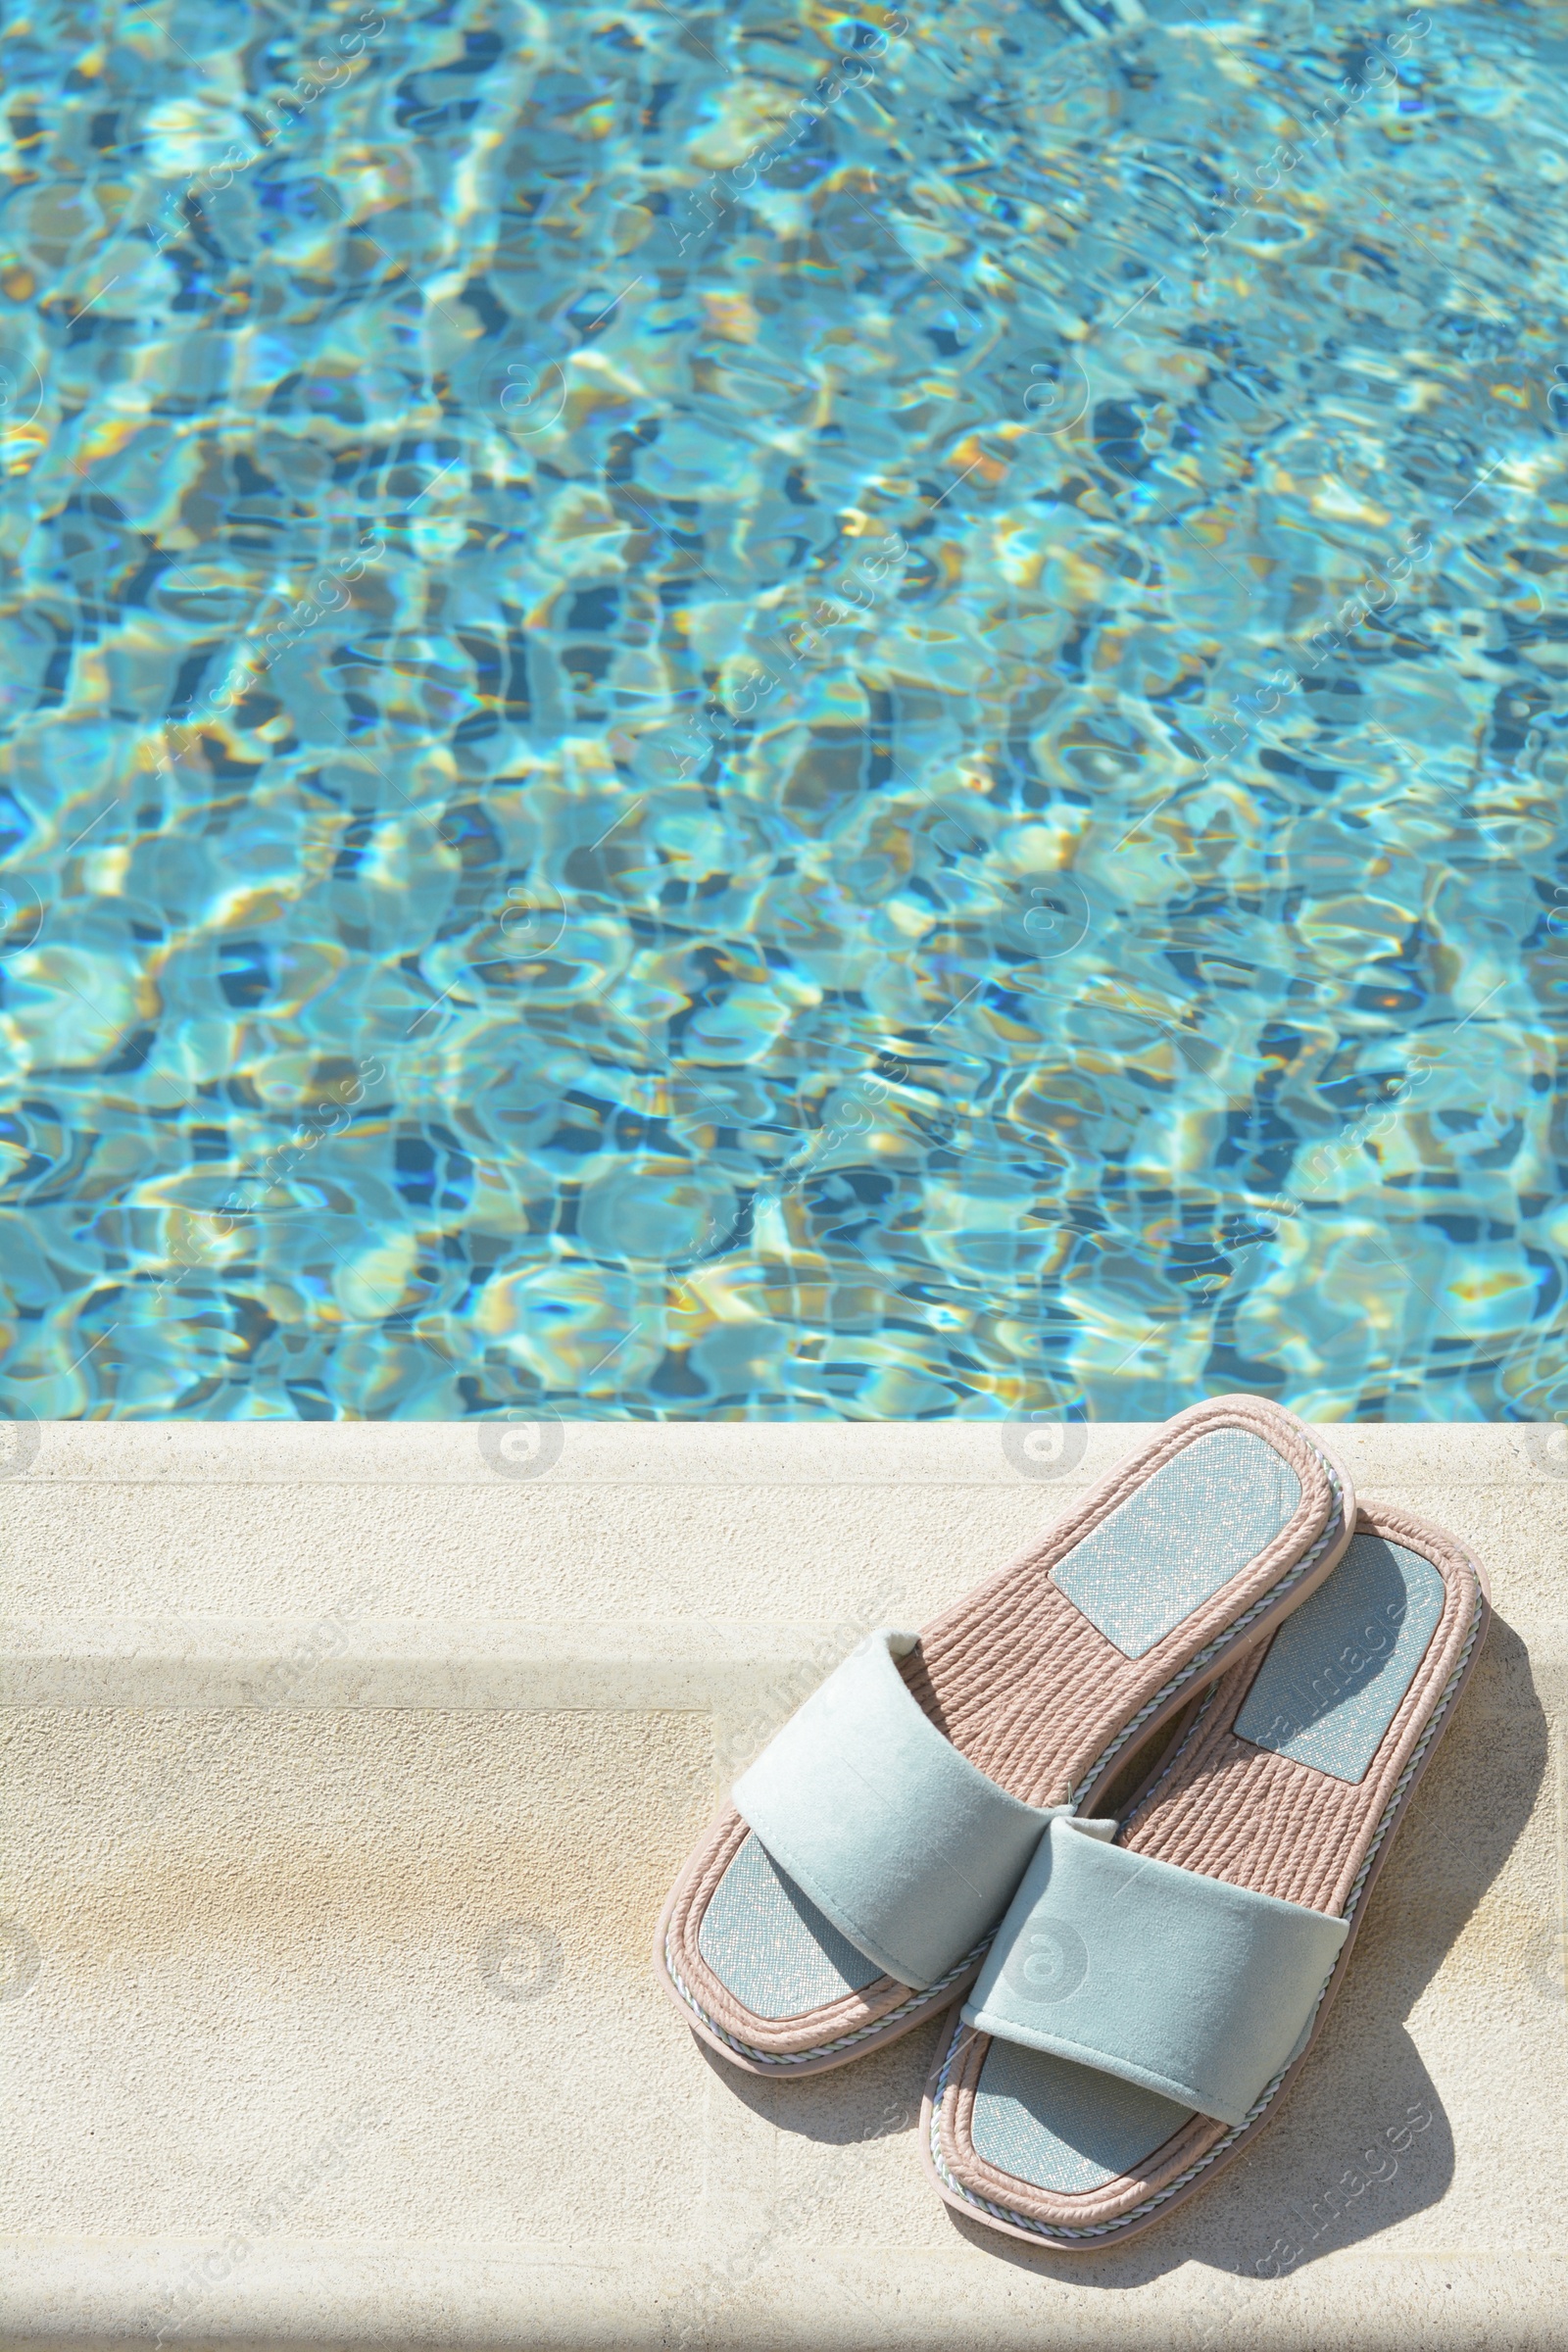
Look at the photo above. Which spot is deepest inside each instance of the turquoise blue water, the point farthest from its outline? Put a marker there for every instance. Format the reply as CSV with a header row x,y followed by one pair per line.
x,y
782,712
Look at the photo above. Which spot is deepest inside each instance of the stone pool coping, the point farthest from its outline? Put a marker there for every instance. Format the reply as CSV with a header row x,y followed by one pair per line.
x,y
346,1766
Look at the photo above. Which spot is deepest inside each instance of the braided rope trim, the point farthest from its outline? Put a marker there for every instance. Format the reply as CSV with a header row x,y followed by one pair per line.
x,y
1222,1640
1175,1757
879,2026
820,2049
1123,2222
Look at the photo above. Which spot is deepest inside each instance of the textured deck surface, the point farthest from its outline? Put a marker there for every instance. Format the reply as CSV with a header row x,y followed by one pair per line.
x,y
345,1769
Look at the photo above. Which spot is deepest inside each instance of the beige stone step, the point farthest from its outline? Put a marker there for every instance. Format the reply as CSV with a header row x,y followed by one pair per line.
x,y
346,1766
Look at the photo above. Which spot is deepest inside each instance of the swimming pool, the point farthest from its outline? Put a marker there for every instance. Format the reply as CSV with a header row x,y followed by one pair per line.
x,y
782,712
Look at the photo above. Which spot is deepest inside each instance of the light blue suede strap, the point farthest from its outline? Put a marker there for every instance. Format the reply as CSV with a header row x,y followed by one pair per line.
x,y
908,1847
1195,1990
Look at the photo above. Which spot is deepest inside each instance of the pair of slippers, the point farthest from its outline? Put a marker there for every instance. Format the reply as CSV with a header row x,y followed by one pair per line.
x,y
1137,1993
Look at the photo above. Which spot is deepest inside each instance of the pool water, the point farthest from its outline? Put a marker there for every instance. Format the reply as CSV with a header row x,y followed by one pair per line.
x,y
777,713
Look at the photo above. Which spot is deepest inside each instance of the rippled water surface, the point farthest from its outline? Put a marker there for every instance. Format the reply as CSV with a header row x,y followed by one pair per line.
x,y
782,712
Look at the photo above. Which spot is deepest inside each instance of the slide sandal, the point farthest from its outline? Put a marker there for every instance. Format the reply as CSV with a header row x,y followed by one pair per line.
x,y
849,1888
1153,1988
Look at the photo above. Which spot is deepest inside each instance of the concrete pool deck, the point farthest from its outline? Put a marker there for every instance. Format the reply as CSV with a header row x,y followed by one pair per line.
x,y
346,1767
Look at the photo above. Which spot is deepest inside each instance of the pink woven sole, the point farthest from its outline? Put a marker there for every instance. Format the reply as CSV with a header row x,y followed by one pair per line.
x,y
1027,1688
1254,1818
